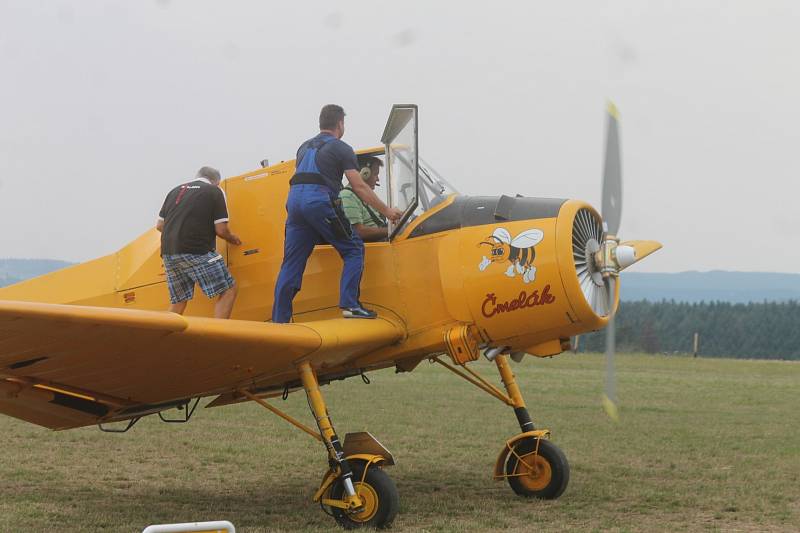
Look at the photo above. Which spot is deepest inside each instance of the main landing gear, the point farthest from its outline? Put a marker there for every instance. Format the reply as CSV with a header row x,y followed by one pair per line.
x,y
355,490
533,466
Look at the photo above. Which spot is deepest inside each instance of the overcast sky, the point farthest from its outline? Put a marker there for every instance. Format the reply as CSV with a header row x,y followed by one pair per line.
x,y
108,104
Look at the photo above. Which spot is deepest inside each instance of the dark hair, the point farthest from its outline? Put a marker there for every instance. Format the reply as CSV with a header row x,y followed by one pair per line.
x,y
368,161
330,116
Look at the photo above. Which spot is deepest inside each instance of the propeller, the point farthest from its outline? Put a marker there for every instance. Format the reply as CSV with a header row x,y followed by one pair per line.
x,y
613,256
612,174
610,394
612,216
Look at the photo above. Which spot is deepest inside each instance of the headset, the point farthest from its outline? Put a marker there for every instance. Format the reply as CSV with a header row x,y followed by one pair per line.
x,y
366,166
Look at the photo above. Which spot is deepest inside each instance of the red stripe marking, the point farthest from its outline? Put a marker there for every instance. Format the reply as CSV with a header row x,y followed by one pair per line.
x,y
180,194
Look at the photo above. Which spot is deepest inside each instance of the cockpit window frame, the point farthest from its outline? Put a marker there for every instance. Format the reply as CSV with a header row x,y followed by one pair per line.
x,y
393,127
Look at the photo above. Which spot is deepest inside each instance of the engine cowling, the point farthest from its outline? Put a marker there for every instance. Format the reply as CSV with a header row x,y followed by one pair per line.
x,y
527,276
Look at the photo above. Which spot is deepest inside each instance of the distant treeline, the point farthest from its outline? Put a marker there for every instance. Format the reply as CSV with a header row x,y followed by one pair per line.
x,y
15,270
768,330
8,280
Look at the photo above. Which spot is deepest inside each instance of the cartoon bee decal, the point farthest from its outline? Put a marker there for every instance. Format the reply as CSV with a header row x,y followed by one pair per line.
x,y
519,251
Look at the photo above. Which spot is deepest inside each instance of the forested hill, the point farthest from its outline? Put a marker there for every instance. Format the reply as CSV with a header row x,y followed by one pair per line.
x,y
714,286
767,330
14,270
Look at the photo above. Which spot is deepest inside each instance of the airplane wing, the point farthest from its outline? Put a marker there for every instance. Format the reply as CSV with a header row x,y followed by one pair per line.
x,y
64,366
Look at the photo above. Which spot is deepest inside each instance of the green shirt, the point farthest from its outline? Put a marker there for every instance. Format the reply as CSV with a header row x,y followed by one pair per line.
x,y
356,211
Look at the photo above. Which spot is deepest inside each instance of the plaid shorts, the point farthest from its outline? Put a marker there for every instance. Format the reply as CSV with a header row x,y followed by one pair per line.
x,y
184,270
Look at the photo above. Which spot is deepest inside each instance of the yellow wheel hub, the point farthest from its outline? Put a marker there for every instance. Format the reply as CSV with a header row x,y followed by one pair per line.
x,y
370,499
534,472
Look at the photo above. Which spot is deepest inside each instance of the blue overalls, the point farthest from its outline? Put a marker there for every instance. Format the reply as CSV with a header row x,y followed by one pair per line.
x,y
308,223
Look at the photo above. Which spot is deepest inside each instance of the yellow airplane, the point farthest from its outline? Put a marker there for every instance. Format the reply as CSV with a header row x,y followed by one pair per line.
x,y
460,275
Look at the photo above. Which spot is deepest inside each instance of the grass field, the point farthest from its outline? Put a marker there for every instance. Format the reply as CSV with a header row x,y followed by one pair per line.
x,y
703,444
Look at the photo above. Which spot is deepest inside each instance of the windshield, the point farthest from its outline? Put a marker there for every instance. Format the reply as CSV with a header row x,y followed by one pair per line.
x,y
433,187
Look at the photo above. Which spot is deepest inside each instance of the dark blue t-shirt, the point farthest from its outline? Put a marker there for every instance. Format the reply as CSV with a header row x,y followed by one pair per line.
x,y
333,159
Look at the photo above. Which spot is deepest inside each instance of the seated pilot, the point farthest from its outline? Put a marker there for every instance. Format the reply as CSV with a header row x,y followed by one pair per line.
x,y
367,223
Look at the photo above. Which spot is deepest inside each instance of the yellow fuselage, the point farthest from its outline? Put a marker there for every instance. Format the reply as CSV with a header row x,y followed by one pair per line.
x,y
436,274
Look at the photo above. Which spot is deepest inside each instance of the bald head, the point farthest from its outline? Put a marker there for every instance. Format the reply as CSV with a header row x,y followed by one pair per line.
x,y
211,174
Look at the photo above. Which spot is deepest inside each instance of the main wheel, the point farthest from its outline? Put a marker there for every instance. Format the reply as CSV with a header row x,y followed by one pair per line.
x,y
379,494
537,475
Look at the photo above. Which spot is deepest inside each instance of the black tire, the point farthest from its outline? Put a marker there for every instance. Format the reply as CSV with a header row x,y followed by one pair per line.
x,y
550,466
379,486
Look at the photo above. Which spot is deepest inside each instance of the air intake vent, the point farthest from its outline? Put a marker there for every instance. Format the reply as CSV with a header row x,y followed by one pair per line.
x,y
587,234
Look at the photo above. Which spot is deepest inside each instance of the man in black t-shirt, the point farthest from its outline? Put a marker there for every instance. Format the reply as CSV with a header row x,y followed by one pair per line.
x,y
192,217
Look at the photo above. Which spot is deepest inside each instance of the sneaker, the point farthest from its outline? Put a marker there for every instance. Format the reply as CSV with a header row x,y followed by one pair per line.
x,y
358,312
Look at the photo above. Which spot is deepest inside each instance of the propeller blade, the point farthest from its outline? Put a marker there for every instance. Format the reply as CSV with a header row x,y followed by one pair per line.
x,y
630,252
612,174
610,395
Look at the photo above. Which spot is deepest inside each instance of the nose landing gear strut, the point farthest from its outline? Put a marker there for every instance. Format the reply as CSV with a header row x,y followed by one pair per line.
x,y
533,466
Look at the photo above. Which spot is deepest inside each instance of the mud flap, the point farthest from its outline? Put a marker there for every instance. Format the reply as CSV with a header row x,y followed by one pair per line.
x,y
499,466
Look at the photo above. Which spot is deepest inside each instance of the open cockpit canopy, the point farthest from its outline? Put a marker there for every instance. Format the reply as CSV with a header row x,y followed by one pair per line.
x,y
414,186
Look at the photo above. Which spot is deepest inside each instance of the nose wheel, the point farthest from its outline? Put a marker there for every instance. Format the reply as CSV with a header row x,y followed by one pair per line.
x,y
537,468
533,466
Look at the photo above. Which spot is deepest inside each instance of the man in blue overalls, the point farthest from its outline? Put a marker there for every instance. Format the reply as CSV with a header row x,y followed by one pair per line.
x,y
312,216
